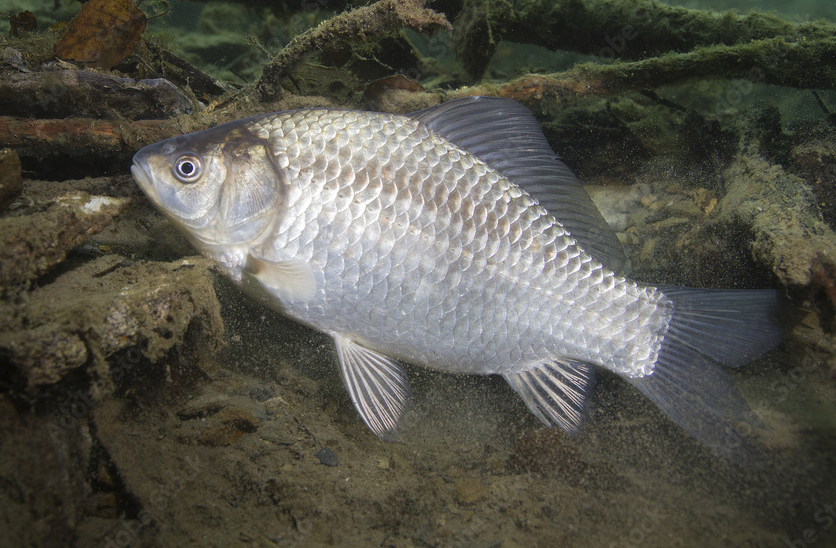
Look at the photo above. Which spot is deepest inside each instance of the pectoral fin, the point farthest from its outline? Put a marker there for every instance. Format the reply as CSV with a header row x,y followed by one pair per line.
x,y
376,383
291,280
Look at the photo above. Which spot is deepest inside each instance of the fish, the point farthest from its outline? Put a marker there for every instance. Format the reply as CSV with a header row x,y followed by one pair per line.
x,y
455,239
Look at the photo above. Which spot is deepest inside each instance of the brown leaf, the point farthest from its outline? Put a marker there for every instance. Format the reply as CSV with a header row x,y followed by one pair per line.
x,y
103,33
22,22
398,81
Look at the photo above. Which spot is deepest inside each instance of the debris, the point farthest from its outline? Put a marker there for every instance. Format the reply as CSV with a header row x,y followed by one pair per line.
x,y
102,34
624,30
103,307
790,236
770,61
80,93
223,428
327,457
32,244
375,20
75,137
398,81
21,23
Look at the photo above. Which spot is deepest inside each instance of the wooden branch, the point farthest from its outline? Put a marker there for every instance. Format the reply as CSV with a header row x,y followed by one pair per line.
x,y
775,61
184,74
82,136
801,65
11,177
61,93
78,137
623,29
376,20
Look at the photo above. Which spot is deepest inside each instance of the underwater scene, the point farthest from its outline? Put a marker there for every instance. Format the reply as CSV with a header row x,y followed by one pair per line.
x,y
389,315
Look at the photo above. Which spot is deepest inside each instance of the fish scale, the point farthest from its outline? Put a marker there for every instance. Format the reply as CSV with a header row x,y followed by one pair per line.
x,y
415,238
412,294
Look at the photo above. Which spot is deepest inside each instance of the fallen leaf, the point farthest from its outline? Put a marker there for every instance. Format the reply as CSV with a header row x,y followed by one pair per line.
x,y
398,81
103,33
22,22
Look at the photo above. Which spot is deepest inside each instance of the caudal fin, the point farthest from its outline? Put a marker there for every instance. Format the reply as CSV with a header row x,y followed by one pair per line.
x,y
710,326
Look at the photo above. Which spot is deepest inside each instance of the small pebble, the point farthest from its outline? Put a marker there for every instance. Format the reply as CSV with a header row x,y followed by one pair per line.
x,y
327,457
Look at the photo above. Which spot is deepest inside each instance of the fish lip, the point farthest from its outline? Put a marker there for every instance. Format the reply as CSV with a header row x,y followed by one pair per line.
x,y
143,178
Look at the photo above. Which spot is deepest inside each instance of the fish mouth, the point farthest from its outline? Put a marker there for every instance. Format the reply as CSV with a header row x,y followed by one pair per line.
x,y
143,179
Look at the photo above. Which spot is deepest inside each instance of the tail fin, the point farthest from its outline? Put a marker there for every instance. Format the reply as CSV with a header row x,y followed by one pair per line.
x,y
708,326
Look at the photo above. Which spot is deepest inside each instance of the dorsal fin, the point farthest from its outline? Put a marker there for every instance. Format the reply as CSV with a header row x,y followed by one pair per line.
x,y
507,137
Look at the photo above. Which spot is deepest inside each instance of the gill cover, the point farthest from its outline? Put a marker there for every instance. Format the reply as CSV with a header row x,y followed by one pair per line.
x,y
254,183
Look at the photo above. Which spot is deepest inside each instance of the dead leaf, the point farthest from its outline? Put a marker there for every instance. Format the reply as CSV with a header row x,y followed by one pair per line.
x,y
21,23
398,81
103,33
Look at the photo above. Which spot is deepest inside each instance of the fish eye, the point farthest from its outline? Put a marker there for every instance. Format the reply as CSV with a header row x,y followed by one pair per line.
x,y
187,168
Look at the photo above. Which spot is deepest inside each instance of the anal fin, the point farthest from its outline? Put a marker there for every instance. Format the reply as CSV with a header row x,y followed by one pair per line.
x,y
556,392
377,384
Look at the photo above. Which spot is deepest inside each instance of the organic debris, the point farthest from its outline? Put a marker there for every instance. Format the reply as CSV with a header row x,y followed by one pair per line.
x,y
91,93
102,34
635,30
22,23
365,23
106,306
32,244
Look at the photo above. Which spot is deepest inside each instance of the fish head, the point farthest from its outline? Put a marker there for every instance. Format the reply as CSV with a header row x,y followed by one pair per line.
x,y
221,186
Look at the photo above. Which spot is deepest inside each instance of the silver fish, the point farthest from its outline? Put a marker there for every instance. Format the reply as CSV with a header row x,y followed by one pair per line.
x,y
451,238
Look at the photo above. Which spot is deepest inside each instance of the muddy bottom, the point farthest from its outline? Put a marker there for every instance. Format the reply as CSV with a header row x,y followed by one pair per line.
x,y
258,444
268,451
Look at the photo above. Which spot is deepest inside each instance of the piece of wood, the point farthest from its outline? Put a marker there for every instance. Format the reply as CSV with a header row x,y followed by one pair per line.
x,y
64,93
366,23
613,29
81,136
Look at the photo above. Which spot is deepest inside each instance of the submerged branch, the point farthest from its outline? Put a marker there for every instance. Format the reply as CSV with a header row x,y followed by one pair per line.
x,y
776,61
376,20
620,29
75,137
